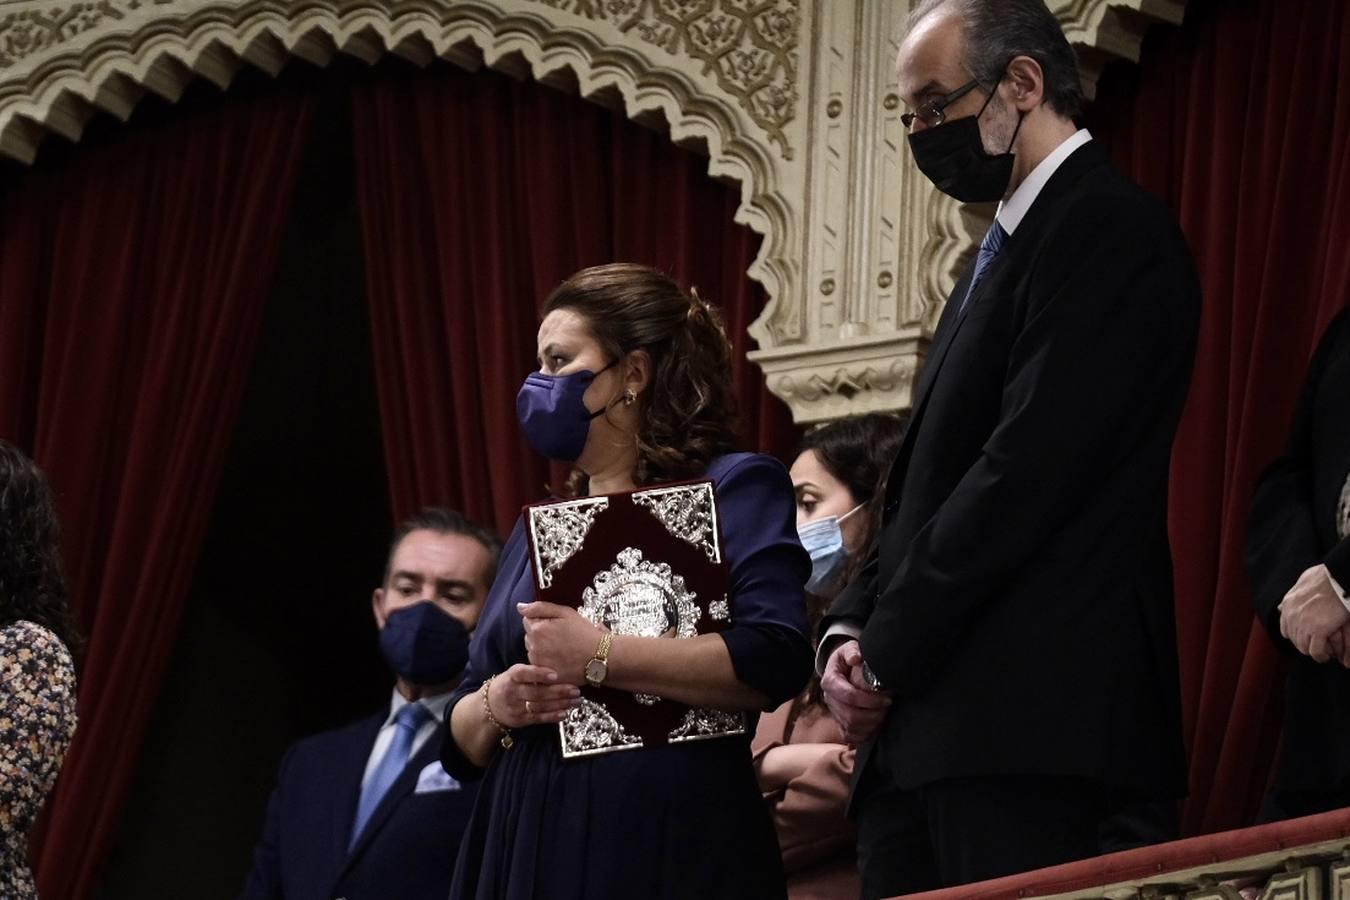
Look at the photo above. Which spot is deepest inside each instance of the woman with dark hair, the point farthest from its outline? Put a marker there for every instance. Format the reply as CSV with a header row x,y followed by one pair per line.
x,y
37,674
633,388
802,760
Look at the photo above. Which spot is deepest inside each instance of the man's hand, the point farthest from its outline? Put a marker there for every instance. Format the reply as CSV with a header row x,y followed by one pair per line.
x,y
1313,618
858,709
1340,646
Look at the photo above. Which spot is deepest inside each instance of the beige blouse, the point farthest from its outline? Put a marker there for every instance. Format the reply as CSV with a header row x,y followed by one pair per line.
x,y
809,813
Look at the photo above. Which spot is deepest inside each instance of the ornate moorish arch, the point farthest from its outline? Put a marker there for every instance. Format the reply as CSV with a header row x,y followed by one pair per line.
x,y
791,99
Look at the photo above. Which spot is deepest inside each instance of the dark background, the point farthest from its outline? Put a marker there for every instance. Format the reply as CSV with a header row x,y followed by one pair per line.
x,y
278,640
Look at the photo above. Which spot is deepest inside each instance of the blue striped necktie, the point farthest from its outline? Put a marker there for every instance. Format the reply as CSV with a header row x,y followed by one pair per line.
x,y
406,723
989,247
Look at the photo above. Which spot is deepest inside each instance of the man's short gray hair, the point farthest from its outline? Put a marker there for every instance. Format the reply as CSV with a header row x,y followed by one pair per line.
x,y
995,31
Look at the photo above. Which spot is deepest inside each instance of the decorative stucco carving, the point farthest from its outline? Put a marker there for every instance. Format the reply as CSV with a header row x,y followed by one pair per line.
x,y
749,47
1103,30
883,247
791,99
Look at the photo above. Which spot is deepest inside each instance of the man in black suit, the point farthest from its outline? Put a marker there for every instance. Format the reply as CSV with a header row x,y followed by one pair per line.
x,y
1006,658
1298,556
367,811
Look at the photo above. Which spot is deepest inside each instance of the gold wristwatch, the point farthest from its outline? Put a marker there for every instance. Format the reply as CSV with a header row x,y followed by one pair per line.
x,y
598,667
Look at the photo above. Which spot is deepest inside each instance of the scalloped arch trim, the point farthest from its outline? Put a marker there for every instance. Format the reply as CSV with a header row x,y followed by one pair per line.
x,y
150,49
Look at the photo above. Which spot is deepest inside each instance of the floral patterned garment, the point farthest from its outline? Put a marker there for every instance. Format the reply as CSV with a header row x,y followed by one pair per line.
x,y
37,720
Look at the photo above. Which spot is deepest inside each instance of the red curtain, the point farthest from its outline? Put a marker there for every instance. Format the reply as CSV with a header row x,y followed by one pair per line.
x,y
1239,121
132,281
478,196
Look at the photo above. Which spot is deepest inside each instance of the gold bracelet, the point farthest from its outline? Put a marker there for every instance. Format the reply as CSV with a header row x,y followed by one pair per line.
x,y
506,739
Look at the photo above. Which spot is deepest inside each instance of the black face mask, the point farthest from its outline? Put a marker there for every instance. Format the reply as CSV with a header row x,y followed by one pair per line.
x,y
953,157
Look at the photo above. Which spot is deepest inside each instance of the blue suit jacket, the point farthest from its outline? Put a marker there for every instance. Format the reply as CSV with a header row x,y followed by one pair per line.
x,y
407,849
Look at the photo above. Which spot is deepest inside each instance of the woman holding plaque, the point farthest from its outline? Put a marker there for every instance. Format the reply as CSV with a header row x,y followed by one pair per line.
x,y
634,388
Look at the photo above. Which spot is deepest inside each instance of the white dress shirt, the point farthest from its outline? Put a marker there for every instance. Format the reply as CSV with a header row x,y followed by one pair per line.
x,y
435,705
1010,214
1012,211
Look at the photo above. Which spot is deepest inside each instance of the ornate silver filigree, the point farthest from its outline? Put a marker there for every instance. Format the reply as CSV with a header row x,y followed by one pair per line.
x,y
704,724
1343,511
720,610
558,531
688,512
590,729
646,699
640,597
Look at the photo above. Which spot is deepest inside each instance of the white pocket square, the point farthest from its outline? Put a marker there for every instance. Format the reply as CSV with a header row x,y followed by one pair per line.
x,y
435,778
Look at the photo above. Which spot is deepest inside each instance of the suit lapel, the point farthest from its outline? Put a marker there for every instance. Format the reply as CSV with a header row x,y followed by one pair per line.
x,y
952,317
1086,157
400,789
347,787
942,339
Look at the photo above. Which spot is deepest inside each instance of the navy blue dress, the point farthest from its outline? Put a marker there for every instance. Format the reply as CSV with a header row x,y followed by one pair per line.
x,y
671,822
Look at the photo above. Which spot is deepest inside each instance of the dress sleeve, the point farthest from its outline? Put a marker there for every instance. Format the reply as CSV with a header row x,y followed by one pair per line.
x,y
37,718
768,639
488,649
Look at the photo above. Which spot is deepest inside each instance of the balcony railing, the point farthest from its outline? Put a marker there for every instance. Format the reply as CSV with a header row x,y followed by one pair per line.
x,y
1301,859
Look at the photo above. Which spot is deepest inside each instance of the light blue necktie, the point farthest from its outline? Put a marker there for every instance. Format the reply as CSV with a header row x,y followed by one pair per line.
x,y
406,722
989,247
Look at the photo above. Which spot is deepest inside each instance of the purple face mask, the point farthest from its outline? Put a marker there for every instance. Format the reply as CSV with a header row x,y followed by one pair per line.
x,y
553,415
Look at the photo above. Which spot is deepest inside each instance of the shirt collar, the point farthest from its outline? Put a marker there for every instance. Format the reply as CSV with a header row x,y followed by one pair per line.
x,y
435,705
1014,209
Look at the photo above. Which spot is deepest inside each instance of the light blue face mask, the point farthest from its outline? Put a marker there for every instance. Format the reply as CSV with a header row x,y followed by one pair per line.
x,y
824,540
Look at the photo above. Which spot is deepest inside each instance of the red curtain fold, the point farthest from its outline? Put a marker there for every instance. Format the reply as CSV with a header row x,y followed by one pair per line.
x,y
132,281
1255,160
478,196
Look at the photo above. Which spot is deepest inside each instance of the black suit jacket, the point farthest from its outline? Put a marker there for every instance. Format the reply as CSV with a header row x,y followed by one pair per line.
x,y
407,849
1293,528
1019,598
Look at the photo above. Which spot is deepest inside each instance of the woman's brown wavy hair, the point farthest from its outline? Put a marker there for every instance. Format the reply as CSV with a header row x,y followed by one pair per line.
x,y
32,583
688,411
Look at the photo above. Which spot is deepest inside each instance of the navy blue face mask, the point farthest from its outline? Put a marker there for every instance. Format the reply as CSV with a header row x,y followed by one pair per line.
x,y
424,644
553,414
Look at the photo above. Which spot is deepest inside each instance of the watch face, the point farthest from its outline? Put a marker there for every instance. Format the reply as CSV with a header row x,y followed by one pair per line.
x,y
596,670
870,677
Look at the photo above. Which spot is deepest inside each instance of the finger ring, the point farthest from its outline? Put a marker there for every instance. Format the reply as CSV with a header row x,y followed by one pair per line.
x,y
528,711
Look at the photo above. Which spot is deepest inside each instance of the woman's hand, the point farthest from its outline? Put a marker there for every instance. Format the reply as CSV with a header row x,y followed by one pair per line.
x,y
558,638
530,695
786,762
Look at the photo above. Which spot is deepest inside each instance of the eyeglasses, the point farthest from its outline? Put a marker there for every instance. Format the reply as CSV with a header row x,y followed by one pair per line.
x,y
934,112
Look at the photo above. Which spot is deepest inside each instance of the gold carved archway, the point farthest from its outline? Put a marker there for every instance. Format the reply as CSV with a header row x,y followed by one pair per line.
x,y
791,99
